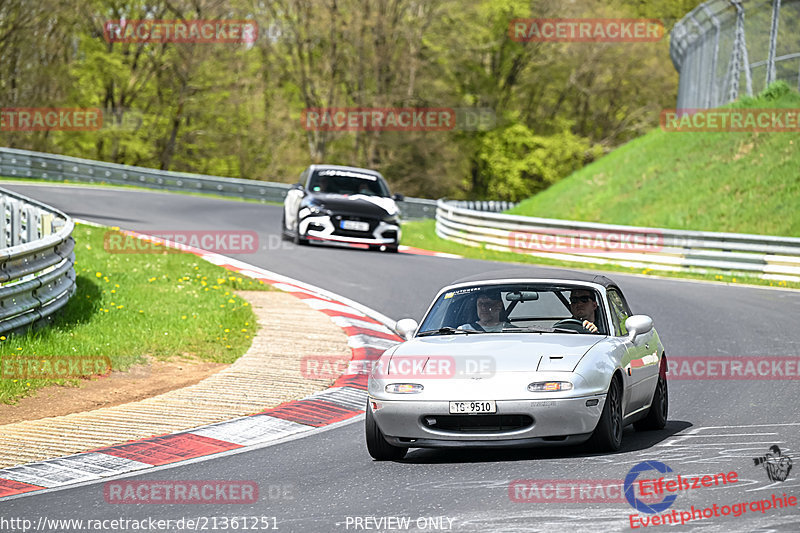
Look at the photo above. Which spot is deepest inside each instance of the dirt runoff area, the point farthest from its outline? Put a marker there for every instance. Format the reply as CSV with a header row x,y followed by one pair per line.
x,y
141,381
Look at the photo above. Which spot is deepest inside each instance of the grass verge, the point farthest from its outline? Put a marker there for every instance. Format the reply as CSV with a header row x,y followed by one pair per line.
x,y
422,234
706,181
130,305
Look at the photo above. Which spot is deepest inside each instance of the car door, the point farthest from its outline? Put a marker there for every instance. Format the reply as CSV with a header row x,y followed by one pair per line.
x,y
641,367
291,205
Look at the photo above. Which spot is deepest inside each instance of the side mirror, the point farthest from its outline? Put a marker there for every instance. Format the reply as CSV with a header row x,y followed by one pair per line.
x,y
298,185
406,328
398,197
637,325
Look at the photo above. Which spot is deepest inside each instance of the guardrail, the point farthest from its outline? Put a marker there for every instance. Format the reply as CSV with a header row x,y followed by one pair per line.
x,y
37,275
767,257
54,167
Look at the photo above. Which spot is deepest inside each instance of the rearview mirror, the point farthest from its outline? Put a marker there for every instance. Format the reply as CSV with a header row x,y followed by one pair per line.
x,y
522,296
406,328
637,325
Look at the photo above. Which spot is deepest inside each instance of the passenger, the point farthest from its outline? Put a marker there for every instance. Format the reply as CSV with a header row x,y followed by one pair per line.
x,y
491,313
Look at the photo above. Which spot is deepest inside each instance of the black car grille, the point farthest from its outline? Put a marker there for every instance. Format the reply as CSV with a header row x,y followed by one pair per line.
x,y
477,423
337,219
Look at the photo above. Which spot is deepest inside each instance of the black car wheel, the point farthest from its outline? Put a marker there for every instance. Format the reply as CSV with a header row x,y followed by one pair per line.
x,y
657,415
378,448
607,435
297,238
285,236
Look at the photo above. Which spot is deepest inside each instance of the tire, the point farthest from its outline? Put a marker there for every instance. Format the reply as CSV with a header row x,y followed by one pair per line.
x,y
607,436
374,247
657,415
392,249
296,237
284,234
378,448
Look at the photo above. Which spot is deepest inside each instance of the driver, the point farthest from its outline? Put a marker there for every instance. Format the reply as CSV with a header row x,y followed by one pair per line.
x,y
583,306
491,313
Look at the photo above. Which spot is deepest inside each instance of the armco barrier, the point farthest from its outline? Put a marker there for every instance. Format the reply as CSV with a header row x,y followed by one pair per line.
x,y
27,164
767,257
37,258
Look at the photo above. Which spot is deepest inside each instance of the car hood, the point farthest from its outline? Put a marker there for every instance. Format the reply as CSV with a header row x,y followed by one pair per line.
x,y
357,204
505,352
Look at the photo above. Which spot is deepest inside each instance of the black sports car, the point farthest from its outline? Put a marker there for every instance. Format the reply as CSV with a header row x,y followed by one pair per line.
x,y
342,204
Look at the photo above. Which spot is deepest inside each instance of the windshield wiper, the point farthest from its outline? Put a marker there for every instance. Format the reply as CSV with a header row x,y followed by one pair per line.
x,y
528,329
565,330
445,331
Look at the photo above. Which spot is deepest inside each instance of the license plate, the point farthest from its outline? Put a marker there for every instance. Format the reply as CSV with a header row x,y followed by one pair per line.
x,y
485,406
354,225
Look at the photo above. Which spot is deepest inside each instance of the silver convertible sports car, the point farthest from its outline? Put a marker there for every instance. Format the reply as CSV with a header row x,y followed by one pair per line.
x,y
511,359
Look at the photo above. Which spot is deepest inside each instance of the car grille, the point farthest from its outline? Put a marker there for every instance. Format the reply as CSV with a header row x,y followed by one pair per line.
x,y
477,423
336,219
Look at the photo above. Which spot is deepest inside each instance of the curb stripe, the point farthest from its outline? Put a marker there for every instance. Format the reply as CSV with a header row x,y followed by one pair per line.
x,y
169,449
314,413
9,487
367,338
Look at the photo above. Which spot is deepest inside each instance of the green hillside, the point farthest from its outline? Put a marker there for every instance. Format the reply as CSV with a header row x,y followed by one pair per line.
x,y
712,181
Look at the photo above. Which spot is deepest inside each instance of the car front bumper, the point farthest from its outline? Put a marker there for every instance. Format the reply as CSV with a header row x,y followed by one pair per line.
x,y
321,227
556,421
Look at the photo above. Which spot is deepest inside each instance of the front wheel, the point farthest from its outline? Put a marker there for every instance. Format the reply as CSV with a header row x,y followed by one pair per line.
x,y
378,448
297,238
657,415
607,435
284,233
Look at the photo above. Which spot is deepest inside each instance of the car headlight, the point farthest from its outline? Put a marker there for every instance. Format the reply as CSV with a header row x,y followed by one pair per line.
x,y
404,388
549,386
317,209
391,220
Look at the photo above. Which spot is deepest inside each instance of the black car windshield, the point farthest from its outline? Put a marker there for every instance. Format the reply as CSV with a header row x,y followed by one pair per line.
x,y
523,307
347,182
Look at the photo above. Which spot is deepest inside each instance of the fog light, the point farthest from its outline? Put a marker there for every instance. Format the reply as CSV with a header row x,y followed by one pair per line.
x,y
592,403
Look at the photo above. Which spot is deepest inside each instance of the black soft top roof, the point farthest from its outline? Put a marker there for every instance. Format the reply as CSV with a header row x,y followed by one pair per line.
x,y
538,273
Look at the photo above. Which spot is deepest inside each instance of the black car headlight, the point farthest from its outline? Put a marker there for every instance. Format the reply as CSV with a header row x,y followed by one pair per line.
x,y
394,219
317,209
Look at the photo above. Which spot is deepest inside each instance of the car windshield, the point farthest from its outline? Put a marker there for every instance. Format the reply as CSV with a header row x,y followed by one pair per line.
x,y
510,308
347,182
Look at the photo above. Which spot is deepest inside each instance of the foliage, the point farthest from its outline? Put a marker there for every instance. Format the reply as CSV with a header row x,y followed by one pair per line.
x,y
235,109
